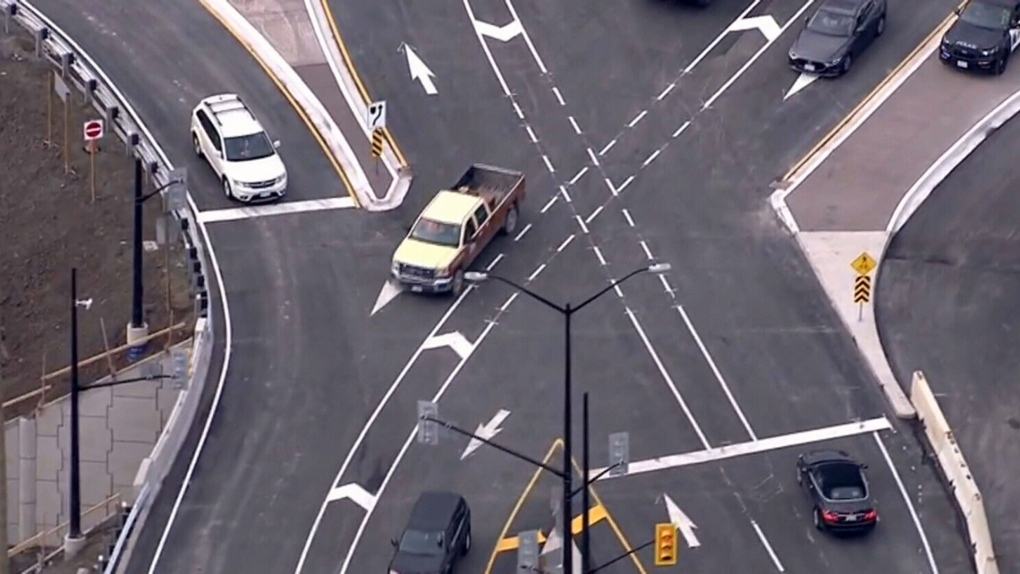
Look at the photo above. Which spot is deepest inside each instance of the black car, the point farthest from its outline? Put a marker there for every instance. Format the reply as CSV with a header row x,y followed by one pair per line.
x,y
438,532
837,33
983,37
838,489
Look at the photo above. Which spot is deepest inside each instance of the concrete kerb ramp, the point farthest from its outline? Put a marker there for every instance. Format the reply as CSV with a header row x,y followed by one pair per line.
x,y
79,69
324,124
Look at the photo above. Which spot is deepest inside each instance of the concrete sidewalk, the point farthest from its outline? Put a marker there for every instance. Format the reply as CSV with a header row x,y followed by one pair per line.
x,y
119,427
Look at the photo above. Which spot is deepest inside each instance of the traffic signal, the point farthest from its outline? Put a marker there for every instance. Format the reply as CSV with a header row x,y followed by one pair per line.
x,y
665,544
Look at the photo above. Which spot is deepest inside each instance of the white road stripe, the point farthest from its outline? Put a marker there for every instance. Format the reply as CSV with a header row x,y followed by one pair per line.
x,y
565,243
253,211
910,504
579,175
768,547
523,231
608,147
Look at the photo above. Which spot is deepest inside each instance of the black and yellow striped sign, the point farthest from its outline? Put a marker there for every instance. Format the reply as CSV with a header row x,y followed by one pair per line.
x,y
862,289
377,141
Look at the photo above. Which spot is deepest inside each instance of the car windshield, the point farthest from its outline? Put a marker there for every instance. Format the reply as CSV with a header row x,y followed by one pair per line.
x,y
245,148
831,23
436,232
846,493
418,542
986,16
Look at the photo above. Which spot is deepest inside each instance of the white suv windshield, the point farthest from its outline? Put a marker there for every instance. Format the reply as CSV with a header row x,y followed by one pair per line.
x,y
987,16
245,148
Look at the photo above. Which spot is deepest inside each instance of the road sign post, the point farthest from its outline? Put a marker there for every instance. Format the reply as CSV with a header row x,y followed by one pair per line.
x,y
93,132
527,551
619,453
428,430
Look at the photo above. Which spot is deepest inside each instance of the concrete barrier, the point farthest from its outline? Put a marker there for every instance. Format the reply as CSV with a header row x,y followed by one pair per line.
x,y
957,473
79,69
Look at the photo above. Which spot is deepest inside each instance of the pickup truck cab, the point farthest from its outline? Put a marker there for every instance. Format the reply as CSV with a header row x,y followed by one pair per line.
x,y
455,227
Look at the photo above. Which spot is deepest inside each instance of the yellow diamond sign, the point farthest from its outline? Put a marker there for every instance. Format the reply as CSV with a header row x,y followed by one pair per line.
x,y
863,264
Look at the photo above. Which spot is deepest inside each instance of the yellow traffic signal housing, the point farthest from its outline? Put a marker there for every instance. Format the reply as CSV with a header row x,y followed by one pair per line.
x,y
665,544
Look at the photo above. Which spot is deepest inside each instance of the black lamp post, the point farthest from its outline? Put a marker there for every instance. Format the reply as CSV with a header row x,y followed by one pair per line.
x,y
568,492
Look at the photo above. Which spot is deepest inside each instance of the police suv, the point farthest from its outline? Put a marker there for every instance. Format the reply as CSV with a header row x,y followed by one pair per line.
x,y
983,37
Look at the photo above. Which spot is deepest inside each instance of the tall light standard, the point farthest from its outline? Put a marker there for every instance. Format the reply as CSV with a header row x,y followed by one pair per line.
x,y
568,311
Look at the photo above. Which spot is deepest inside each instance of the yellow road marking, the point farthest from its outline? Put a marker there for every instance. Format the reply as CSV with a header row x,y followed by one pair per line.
x,y
357,79
557,444
597,514
290,99
828,137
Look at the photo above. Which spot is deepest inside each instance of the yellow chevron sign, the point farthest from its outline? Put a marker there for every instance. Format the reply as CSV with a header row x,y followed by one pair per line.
x,y
862,289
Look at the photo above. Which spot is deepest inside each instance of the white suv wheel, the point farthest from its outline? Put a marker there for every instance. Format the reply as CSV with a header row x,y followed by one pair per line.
x,y
226,189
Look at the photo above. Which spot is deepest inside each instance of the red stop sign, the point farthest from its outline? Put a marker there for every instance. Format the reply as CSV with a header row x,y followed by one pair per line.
x,y
93,129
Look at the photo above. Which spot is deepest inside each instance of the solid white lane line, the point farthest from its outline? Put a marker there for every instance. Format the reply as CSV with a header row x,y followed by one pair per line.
x,y
625,183
527,40
594,214
580,222
251,212
403,450
573,123
669,380
565,243
608,147
791,440
536,272
523,231
626,214
371,421
718,38
550,203
494,262
768,547
910,504
715,371
667,287
637,119
517,110
579,175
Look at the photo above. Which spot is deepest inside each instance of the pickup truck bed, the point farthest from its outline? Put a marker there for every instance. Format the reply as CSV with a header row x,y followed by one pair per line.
x,y
492,183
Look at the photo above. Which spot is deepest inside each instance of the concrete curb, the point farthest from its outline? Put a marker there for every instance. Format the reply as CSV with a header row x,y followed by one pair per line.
x,y
78,67
312,106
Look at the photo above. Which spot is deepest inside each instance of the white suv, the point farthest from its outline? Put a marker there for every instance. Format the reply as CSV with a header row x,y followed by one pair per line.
x,y
225,132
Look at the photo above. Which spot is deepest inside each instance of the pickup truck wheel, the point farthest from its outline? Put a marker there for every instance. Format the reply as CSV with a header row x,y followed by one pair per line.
x,y
457,286
510,224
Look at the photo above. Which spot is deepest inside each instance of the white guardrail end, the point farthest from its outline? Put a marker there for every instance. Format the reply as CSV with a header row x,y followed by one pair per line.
x,y
957,472
78,68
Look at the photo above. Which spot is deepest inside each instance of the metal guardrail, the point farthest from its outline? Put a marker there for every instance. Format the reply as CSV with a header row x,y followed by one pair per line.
x,y
77,68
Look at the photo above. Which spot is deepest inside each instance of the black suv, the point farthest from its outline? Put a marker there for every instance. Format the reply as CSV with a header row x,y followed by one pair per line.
x,y
983,37
437,534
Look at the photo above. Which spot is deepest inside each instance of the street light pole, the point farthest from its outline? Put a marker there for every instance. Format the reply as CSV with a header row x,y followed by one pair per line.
x,y
568,492
137,291
585,493
74,529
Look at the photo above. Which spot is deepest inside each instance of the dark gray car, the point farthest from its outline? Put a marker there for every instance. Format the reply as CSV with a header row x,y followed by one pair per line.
x,y
838,490
437,534
837,33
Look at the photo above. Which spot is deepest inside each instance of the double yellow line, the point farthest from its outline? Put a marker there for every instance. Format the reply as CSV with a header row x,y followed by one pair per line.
x,y
857,110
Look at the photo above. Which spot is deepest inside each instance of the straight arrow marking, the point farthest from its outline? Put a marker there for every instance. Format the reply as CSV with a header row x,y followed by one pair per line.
x,y
355,493
486,431
389,292
501,33
682,523
766,24
454,340
419,71
803,80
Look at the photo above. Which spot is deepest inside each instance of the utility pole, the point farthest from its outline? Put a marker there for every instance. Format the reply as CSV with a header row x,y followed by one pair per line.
x,y
5,562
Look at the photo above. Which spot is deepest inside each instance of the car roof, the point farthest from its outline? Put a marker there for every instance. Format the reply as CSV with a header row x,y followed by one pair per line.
x,y
433,510
843,6
231,115
451,207
821,456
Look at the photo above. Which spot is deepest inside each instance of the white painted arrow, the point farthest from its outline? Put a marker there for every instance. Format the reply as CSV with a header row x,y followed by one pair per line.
x,y
389,292
454,340
804,80
353,492
486,431
766,24
681,522
419,71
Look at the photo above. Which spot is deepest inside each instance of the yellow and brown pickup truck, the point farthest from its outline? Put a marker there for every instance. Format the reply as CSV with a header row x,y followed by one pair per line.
x,y
455,227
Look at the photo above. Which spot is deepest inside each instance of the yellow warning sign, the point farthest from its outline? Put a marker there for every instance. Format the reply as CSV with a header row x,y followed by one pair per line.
x,y
377,142
863,264
862,289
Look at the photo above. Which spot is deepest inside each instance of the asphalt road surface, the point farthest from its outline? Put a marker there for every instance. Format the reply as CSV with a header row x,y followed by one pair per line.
x,y
947,305
757,351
